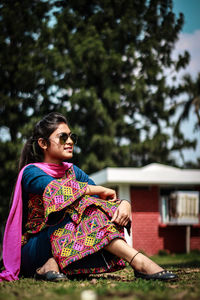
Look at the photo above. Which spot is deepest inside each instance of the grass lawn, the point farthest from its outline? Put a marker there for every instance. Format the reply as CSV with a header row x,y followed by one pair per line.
x,y
118,285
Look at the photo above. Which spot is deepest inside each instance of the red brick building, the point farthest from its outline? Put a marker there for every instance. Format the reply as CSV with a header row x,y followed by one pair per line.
x,y
165,205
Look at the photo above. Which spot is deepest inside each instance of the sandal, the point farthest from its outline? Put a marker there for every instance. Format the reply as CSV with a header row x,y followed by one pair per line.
x,y
50,276
163,275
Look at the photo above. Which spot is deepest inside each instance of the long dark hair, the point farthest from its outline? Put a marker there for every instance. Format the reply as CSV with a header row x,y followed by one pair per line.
x,y
31,151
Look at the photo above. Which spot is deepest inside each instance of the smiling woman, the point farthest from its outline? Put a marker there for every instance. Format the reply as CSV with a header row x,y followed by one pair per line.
x,y
67,225
61,145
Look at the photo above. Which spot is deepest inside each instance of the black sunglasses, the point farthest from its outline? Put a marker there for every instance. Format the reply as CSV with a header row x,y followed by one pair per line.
x,y
63,137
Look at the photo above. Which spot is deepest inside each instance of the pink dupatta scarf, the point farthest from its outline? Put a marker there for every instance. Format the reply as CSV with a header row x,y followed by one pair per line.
x,y
13,230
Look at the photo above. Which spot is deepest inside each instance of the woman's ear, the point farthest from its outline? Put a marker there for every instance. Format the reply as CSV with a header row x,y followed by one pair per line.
x,y
42,143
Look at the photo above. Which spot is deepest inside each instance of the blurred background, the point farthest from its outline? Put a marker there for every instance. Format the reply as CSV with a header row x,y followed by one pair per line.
x,y
125,73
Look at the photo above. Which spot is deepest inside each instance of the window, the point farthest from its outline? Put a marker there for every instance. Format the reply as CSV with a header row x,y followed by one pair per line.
x,y
180,207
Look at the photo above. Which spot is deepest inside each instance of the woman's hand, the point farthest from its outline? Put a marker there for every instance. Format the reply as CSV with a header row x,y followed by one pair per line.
x,y
103,192
122,214
108,194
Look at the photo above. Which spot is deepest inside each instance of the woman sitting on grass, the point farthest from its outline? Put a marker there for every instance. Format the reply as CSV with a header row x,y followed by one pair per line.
x,y
67,225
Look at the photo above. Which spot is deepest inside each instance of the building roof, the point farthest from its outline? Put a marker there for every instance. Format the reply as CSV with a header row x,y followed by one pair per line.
x,y
151,174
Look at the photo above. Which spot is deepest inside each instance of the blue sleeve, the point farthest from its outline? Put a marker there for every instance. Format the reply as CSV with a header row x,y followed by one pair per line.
x,y
82,176
35,180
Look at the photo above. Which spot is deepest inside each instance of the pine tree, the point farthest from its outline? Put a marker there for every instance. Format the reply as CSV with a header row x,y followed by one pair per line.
x,y
23,81
113,58
190,87
102,63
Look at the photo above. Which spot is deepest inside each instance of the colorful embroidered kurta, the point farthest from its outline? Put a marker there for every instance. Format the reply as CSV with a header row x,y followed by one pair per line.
x,y
87,232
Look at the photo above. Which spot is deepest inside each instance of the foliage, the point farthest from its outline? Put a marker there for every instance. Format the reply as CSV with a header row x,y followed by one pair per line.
x,y
116,57
24,80
102,63
191,88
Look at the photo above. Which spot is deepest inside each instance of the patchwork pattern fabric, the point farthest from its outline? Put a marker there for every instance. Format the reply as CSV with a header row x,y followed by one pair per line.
x,y
89,231
60,193
57,195
76,241
36,220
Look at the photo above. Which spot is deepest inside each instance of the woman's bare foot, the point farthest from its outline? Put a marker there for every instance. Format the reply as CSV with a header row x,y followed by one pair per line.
x,y
138,261
50,265
143,264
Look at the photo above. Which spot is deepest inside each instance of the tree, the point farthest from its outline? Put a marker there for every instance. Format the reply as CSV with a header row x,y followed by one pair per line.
x,y
187,102
191,88
113,58
100,62
24,81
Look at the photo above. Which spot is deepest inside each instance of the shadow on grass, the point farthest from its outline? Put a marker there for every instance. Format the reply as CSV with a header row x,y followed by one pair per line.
x,y
93,277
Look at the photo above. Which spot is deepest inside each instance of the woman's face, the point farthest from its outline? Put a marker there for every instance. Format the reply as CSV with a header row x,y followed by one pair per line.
x,y
58,151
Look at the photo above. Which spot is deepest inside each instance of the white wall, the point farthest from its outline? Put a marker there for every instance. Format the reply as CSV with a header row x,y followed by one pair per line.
x,y
124,193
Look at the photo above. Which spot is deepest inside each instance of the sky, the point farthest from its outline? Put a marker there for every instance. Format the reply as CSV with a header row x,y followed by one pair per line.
x,y
189,39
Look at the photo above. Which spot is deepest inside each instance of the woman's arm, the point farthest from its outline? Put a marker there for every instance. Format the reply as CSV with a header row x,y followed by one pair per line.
x,y
92,189
122,215
35,180
82,176
102,192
